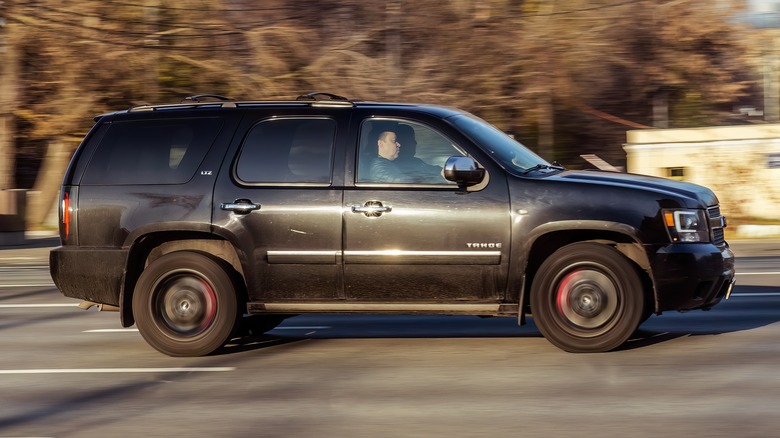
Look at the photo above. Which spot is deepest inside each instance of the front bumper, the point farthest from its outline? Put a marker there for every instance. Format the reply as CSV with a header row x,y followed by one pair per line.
x,y
691,276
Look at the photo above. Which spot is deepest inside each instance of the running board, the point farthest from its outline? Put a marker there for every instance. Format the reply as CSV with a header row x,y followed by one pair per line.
x,y
396,308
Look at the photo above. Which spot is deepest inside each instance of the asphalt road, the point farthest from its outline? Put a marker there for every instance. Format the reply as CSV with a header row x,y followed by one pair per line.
x,y
65,372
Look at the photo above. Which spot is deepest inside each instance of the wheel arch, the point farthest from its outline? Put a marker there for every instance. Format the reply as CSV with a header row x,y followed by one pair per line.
x,y
150,247
624,239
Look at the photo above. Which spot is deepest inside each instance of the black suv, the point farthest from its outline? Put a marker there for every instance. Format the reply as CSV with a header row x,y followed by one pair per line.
x,y
188,218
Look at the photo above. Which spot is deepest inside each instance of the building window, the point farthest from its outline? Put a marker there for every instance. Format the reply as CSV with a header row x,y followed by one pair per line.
x,y
677,173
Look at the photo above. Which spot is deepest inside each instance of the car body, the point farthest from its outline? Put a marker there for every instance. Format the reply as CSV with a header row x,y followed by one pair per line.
x,y
185,217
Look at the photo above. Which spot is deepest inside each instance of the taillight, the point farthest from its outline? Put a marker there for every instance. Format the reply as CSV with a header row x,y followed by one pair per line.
x,y
66,218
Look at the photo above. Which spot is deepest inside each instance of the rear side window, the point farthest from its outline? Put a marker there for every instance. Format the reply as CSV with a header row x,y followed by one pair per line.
x,y
152,151
284,151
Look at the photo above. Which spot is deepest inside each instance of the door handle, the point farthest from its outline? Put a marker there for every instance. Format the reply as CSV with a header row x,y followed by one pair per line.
x,y
372,209
240,206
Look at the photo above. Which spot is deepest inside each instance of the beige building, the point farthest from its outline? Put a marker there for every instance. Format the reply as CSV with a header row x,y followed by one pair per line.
x,y
741,164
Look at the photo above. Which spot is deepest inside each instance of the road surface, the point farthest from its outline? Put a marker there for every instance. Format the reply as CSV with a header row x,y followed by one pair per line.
x,y
66,372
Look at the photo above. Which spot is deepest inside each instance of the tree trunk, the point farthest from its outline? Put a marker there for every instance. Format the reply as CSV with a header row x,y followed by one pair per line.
x,y
661,109
45,194
546,142
9,84
6,151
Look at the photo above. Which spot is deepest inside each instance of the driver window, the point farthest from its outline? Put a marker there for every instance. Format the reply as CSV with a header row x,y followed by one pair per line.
x,y
403,152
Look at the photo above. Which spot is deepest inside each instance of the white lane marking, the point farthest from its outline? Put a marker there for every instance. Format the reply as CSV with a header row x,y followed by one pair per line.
x,y
28,285
15,306
758,294
121,330
759,273
4,259
315,327
119,370
135,330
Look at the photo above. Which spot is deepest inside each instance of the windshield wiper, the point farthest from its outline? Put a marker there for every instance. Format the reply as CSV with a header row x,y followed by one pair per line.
x,y
553,166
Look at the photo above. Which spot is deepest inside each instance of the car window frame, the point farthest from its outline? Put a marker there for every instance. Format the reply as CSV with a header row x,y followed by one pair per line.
x,y
363,136
92,176
271,118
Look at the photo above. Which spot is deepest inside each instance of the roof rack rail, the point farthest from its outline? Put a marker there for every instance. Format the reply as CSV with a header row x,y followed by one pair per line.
x,y
140,107
200,97
329,96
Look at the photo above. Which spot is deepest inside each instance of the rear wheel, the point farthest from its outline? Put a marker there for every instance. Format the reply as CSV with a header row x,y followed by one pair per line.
x,y
587,297
185,304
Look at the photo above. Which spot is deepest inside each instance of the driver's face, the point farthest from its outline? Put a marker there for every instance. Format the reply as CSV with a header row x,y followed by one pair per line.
x,y
389,146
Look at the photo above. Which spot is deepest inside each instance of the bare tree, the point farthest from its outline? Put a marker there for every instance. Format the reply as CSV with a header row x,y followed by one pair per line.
x,y
566,76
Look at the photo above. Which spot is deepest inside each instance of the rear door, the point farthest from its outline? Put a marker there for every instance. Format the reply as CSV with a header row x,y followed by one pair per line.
x,y
420,238
279,201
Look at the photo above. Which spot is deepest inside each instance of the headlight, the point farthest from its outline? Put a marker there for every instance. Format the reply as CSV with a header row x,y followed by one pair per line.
x,y
687,225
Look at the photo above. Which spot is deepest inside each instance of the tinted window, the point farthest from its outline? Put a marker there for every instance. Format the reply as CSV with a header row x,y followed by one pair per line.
x,y
152,151
421,155
288,151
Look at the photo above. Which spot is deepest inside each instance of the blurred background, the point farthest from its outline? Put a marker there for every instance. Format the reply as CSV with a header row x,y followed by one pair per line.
x,y
568,78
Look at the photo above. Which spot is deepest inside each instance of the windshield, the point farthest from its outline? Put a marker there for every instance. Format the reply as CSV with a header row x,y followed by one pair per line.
x,y
510,153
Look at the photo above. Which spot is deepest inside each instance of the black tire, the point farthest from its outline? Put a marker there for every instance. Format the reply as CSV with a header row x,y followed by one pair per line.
x,y
587,298
185,304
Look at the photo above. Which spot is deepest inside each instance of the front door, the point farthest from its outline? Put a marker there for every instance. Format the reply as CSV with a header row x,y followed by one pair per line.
x,y
412,236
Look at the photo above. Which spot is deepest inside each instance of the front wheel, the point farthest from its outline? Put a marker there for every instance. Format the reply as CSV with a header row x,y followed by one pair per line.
x,y
587,297
185,304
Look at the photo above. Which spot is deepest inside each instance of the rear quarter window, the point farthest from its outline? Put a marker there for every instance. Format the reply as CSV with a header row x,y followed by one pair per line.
x,y
152,151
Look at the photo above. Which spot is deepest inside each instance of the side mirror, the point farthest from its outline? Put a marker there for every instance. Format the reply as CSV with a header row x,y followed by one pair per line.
x,y
463,171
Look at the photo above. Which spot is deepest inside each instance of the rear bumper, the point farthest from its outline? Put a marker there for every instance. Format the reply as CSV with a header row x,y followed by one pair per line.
x,y
89,274
691,276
